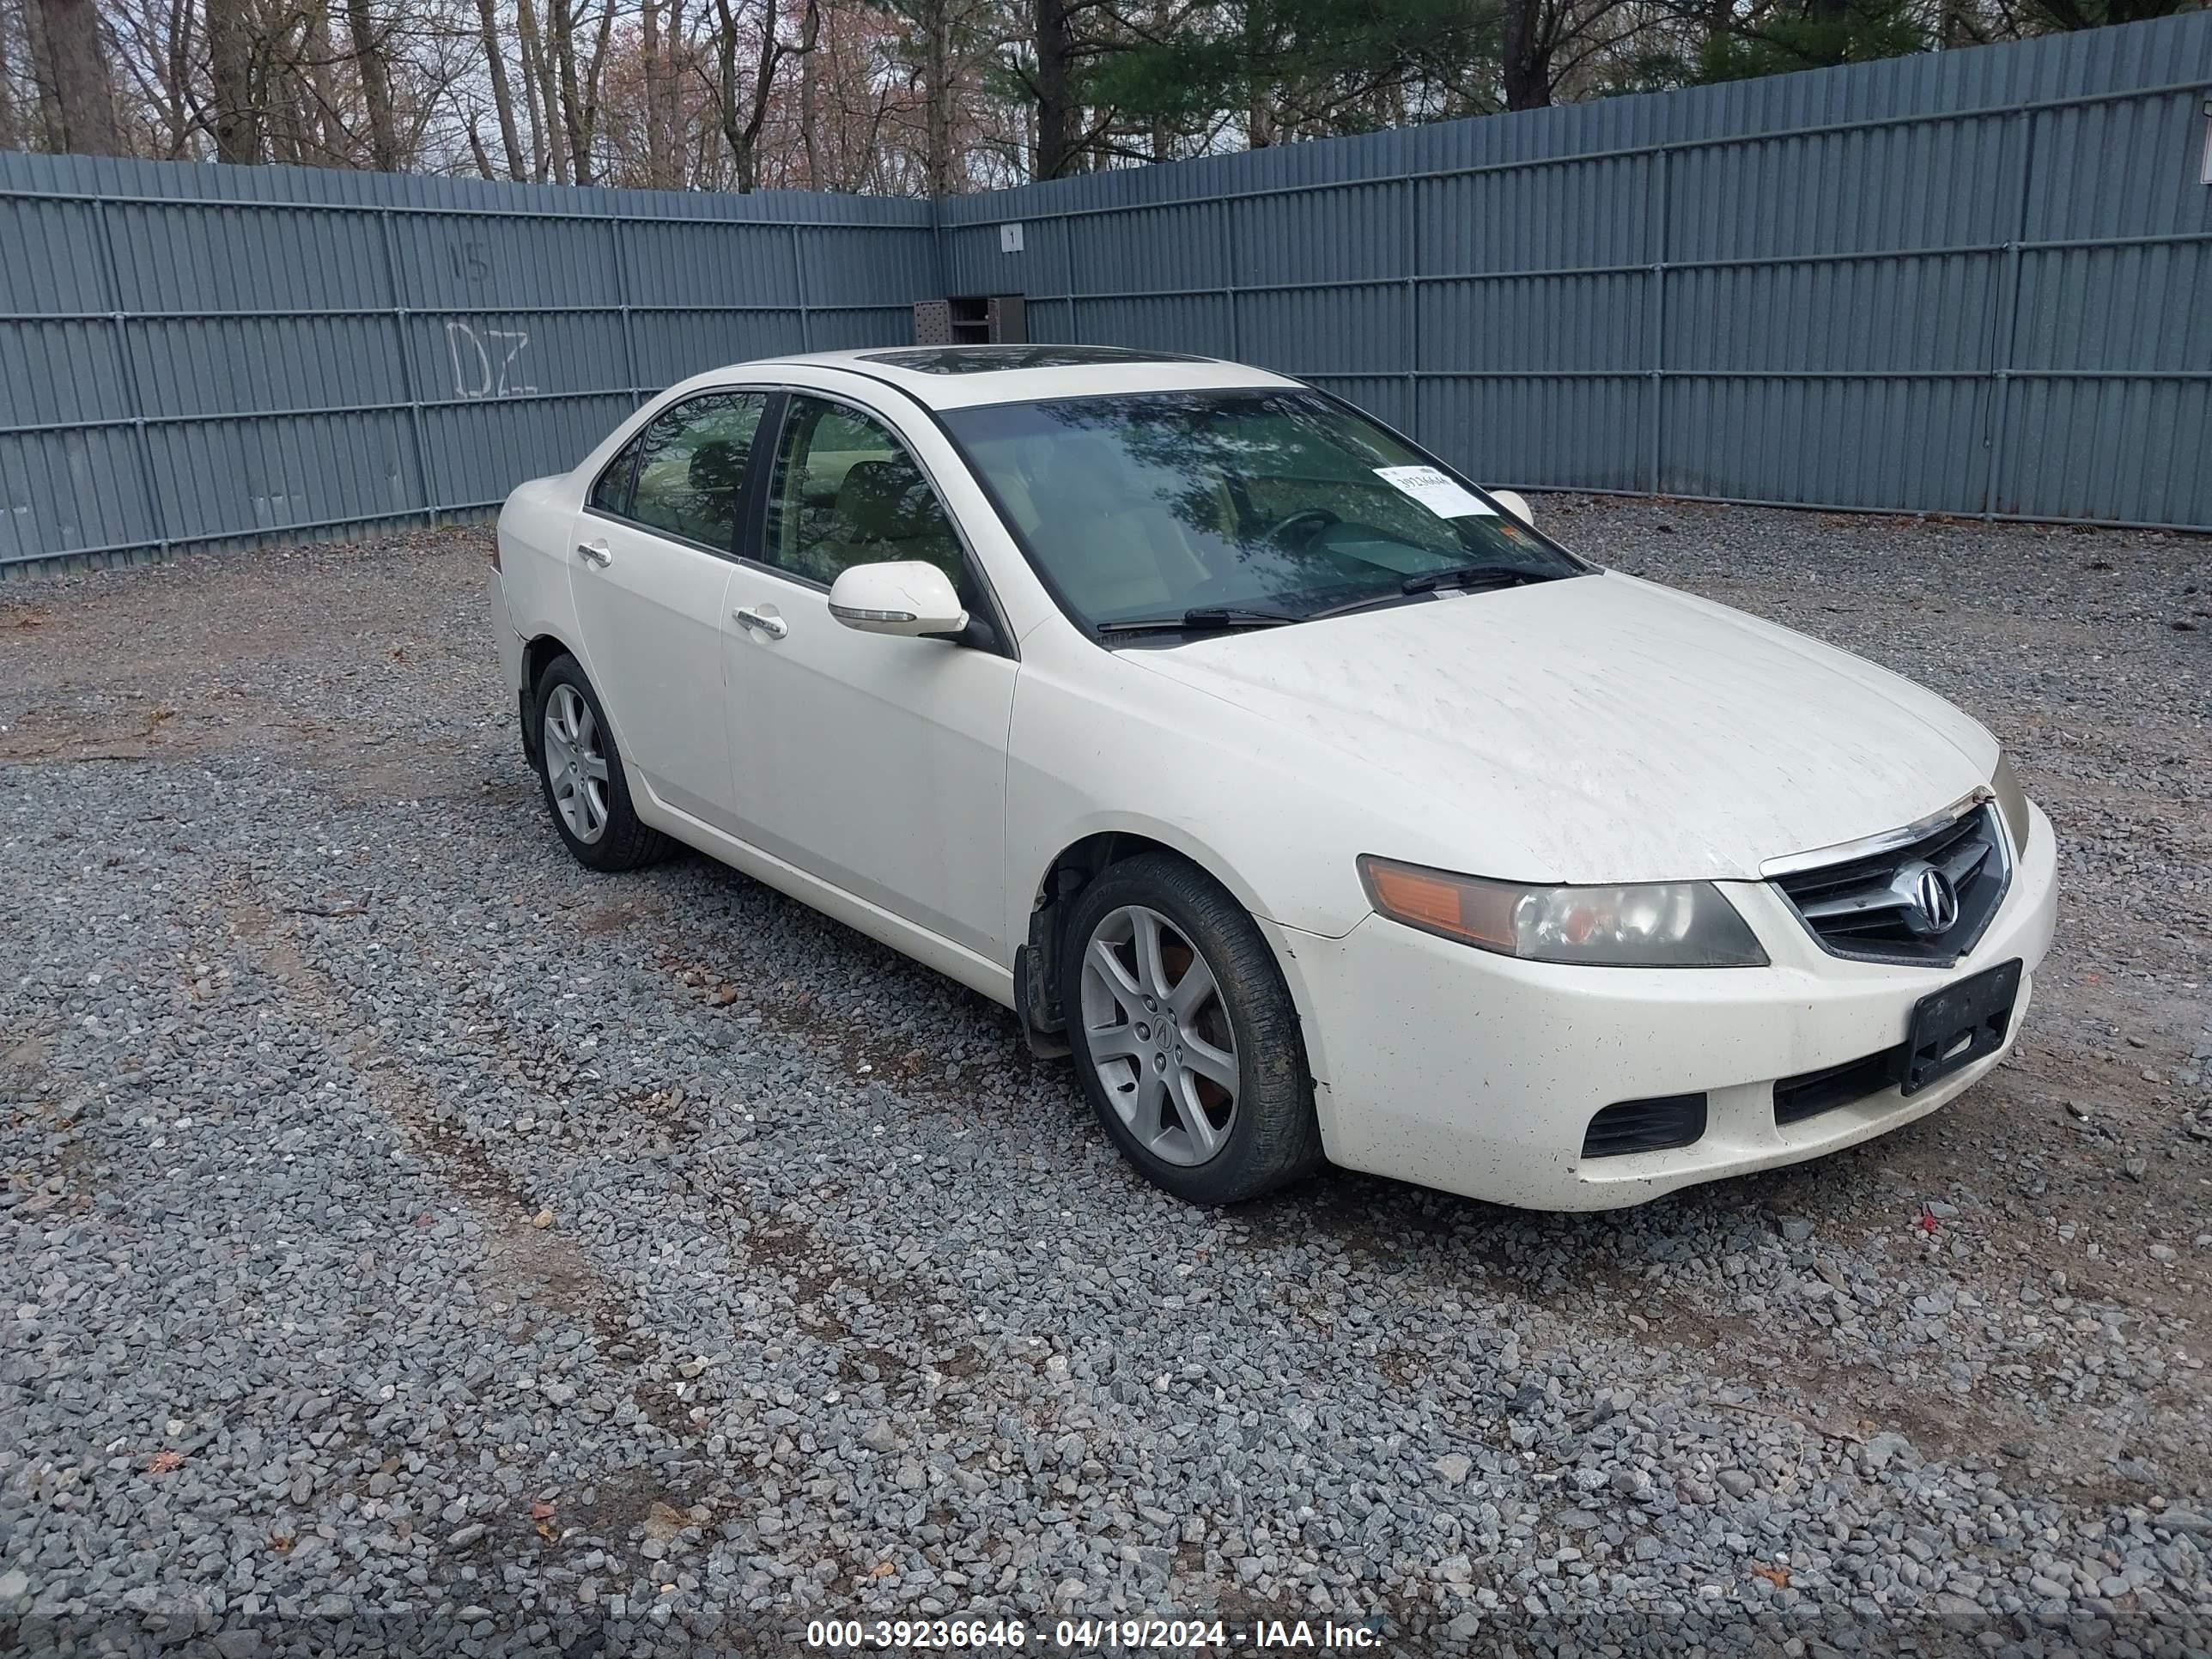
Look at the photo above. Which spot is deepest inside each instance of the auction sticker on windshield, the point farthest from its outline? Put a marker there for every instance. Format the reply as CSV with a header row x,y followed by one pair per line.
x,y
1434,491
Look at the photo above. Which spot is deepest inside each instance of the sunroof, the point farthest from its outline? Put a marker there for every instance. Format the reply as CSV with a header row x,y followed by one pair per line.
x,y
989,359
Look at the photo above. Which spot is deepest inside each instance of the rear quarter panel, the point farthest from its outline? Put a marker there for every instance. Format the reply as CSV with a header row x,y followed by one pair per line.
x,y
533,539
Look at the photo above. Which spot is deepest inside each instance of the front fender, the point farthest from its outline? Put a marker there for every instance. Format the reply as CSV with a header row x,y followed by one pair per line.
x,y
1134,753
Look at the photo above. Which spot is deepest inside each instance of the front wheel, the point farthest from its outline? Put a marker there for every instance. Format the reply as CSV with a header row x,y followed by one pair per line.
x,y
1183,1034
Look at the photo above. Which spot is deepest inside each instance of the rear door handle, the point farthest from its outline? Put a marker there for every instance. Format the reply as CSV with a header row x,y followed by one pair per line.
x,y
595,553
768,624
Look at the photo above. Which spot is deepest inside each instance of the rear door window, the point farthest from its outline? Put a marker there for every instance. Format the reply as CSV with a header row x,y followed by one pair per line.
x,y
611,492
691,467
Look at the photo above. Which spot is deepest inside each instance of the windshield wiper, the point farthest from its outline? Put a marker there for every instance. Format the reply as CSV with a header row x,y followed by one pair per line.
x,y
1208,618
1463,575
1470,576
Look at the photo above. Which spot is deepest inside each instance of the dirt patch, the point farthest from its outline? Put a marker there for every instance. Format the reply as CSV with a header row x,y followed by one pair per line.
x,y
47,735
527,1265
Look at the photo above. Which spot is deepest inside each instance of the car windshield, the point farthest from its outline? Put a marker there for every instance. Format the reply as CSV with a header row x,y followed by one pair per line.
x,y
1244,507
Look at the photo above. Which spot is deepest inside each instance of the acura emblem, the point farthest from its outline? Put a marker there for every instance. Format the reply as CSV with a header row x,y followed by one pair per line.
x,y
1934,902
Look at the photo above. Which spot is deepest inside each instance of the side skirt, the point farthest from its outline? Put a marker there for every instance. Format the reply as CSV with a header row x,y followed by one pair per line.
x,y
978,973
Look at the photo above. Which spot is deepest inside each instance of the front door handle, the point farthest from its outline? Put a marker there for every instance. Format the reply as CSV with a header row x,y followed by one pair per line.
x,y
767,621
595,553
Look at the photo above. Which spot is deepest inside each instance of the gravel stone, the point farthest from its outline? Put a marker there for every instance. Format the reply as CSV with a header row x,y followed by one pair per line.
x,y
849,1310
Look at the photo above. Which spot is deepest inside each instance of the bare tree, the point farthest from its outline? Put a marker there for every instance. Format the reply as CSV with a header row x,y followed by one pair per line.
x,y
578,84
502,94
561,42
935,17
49,124
744,114
1549,47
810,100
76,55
895,96
1054,88
320,72
234,114
1523,66
671,97
368,59
656,109
10,139
548,146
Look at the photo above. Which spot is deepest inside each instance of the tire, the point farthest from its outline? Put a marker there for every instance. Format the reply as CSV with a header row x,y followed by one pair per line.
x,y
1255,1138
590,807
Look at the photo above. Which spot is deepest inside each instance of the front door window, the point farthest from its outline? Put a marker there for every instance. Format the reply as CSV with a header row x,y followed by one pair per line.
x,y
847,492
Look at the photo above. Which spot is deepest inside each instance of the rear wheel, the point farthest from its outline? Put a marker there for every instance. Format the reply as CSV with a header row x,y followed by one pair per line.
x,y
581,771
1184,1036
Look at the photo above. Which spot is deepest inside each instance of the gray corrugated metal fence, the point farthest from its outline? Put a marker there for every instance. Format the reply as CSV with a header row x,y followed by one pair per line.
x,y
1975,282
195,354
1978,283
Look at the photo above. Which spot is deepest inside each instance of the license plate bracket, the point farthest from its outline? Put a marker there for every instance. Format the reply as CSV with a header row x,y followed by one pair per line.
x,y
1957,1025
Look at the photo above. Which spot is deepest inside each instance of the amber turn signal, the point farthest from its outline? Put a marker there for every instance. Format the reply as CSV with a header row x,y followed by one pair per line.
x,y
1442,903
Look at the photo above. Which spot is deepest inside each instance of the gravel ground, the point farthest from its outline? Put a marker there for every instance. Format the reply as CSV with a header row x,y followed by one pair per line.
x,y
414,1243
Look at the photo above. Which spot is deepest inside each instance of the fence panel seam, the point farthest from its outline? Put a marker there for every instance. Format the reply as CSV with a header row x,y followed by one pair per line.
x,y
409,377
134,395
2001,353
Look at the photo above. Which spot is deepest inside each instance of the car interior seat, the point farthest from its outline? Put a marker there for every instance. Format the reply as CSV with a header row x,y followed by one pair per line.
x,y
717,476
1125,560
885,511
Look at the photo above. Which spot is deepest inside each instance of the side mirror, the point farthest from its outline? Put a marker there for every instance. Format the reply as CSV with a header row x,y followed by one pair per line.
x,y
1514,502
908,597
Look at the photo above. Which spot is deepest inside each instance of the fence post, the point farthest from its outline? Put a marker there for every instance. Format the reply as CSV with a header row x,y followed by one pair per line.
x,y
1067,276
944,288
1662,188
2007,323
407,362
134,397
1412,290
1229,270
799,288
622,298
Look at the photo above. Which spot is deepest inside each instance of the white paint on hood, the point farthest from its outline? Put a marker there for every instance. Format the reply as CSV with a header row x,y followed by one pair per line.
x,y
1598,728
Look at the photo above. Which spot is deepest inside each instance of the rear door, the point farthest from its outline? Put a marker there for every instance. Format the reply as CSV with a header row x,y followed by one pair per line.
x,y
650,565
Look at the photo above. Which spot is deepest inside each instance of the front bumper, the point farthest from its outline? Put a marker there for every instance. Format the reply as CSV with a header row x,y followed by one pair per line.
x,y
1479,1073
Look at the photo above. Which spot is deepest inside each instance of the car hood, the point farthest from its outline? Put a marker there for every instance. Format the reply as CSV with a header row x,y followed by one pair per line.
x,y
1599,728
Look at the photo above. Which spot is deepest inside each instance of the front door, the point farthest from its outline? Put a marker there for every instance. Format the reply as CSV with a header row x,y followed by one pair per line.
x,y
877,763
649,567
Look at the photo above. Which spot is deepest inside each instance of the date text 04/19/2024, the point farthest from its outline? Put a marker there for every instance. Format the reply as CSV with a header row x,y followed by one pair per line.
x,y
1090,1635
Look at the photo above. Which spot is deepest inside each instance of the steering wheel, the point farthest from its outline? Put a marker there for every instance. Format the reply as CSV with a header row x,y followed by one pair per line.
x,y
1321,518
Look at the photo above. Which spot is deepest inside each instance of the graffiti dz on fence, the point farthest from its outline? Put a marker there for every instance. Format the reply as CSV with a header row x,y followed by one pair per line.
x,y
489,363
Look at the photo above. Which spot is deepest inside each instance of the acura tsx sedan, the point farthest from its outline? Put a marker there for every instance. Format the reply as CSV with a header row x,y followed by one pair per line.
x,y
1316,803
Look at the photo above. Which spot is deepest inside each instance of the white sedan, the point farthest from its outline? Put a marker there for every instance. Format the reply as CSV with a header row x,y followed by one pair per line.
x,y
1317,803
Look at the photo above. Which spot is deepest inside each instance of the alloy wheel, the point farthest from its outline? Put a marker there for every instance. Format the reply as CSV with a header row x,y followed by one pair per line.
x,y
575,763
1159,1036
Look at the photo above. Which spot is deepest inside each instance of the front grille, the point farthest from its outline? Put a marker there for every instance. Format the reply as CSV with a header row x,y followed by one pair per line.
x,y
1811,1093
1873,906
1645,1125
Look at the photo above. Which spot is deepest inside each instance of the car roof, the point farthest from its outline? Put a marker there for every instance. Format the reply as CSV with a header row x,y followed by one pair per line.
x,y
962,376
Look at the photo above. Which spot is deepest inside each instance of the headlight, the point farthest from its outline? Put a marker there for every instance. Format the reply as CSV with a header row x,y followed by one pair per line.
x,y
1674,924
2012,801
